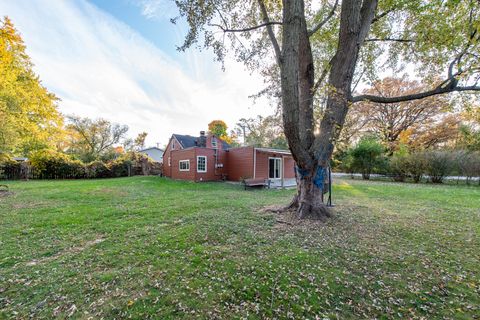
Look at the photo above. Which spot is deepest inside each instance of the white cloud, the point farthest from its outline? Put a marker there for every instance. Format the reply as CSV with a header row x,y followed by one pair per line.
x,y
153,9
100,67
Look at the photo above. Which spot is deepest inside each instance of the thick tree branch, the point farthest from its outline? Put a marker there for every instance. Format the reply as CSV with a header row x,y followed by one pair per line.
x,y
271,34
324,21
446,87
367,15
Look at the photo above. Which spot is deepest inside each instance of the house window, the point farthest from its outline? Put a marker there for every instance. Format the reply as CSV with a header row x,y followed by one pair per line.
x,y
214,143
274,168
184,165
169,162
173,144
201,164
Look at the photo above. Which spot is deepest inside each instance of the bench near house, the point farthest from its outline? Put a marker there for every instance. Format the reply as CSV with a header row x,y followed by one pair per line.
x,y
209,158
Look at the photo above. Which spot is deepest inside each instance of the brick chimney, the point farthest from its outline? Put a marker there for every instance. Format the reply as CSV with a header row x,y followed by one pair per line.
x,y
202,141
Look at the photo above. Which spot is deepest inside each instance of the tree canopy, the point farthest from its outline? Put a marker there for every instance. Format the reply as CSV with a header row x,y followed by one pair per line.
x,y
219,129
262,132
91,139
394,122
29,118
437,38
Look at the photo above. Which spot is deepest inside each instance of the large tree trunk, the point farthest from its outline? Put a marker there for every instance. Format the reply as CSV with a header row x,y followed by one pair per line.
x,y
313,154
310,199
297,80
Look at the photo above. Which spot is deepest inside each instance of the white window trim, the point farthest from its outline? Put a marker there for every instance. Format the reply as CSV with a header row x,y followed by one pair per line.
x,y
187,161
173,144
214,145
202,171
280,170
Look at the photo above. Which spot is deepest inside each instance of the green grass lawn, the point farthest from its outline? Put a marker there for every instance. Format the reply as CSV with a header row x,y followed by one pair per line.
x,y
147,247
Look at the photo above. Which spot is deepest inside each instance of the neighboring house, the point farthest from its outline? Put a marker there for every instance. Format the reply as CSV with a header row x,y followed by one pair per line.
x,y
155,153
208,158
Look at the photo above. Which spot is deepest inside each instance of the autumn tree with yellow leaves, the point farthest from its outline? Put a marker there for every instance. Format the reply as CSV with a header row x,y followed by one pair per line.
x,y
219,129
29,119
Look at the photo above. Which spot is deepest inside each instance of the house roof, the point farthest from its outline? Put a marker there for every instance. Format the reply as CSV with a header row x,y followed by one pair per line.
x,y
190,141
151,149
186,141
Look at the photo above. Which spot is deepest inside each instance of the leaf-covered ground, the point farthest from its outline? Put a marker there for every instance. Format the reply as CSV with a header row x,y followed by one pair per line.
x,y
147,247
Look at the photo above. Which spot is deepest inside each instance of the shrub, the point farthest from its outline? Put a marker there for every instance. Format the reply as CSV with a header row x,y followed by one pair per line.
x,y
140,164
398,164
468,164
415,164
10,169
50,164
398,167
121,167
438,164
97,169
5,157
367,157
73,169
156,169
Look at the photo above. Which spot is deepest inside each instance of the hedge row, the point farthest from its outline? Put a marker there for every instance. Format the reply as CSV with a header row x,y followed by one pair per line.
x,y
435,165
370,156
55,165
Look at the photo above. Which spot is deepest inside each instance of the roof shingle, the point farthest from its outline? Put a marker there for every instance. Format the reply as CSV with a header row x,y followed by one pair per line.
x,y
189,141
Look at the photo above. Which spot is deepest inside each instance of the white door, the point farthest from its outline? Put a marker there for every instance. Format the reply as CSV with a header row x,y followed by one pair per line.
x,y
275,168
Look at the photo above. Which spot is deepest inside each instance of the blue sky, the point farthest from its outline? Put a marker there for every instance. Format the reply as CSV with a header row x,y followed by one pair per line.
x,y
149,18
118,60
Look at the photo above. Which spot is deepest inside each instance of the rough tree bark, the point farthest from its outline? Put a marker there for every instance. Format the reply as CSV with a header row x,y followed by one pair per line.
x,y
312,154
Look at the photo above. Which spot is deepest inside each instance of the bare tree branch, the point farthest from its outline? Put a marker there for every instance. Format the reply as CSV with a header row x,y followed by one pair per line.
x,y
358,80
225,29
381,15
271,34
460,55
388,39
322,77
324,21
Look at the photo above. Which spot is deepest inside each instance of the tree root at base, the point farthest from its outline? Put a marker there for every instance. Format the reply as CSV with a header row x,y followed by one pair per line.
x,y
305,211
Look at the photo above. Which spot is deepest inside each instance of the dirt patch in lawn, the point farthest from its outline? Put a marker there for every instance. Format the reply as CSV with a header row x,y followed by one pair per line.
x,y
4,191
71,250
4,194
108,191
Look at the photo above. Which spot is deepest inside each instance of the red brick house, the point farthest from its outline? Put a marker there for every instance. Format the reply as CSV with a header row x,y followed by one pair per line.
x,y
208,158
